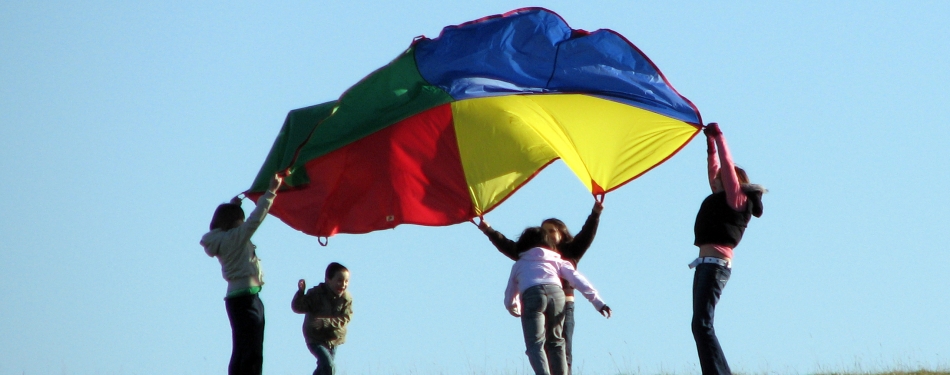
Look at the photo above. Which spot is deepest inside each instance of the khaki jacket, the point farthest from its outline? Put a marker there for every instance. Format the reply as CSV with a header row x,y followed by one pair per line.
x,y
326,314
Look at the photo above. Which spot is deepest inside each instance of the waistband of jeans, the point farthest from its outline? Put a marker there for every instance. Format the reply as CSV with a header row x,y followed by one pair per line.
x,y
703,260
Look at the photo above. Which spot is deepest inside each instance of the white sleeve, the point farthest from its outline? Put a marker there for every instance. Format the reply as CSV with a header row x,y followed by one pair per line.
x,y
246,230
511,292
580,283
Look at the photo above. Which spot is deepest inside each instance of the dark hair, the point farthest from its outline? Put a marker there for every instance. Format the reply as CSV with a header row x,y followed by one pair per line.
x,y
532,237
227,216
566,236
333,269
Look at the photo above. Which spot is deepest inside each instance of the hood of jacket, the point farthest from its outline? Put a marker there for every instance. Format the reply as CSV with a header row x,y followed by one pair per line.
x,y
212,241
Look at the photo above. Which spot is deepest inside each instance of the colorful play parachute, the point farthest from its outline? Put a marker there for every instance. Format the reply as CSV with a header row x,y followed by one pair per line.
x,y
456,124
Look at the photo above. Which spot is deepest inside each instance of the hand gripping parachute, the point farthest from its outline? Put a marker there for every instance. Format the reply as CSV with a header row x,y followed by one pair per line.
x,y
456,124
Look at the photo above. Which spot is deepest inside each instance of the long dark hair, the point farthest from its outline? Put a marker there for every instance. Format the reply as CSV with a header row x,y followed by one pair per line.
x,y
533,237
228,215
566,236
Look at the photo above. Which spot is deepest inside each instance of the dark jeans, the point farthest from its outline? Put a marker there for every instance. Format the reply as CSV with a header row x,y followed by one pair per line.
x,y
246,314
568,332
542,319
324,354
708,283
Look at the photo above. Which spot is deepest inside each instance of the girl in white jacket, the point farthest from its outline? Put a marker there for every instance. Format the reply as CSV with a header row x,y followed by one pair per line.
x,y
534,293
230,241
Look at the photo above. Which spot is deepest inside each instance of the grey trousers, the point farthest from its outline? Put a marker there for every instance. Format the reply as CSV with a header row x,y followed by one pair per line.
x,y
542,320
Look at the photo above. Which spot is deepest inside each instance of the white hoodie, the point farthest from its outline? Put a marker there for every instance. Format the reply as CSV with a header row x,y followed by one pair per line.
x,y
542,266
240,265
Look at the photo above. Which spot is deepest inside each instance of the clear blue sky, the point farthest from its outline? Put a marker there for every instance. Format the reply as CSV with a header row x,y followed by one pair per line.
x,y
123,125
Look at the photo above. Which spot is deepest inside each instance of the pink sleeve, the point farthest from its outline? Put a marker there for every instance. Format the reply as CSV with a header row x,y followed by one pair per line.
x,y
512,293
712,160
567,272
730,181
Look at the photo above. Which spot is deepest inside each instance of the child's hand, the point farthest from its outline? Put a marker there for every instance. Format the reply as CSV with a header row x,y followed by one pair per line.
x,y
606,311
301,285
712,129
275,182
515,311
484,226
598,206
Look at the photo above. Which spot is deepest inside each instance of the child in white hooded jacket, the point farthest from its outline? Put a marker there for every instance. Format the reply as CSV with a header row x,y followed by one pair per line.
x,y
230,241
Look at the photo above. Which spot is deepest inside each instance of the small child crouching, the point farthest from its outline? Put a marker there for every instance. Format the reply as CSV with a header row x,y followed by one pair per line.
x,y
328,308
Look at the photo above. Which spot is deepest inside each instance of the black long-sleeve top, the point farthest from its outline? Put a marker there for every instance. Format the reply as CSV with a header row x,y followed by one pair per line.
x,y
570,251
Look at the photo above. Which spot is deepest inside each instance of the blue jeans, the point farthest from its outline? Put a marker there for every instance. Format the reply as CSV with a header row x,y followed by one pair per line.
x,y
324,353
708,283
568,332
246,314
542,320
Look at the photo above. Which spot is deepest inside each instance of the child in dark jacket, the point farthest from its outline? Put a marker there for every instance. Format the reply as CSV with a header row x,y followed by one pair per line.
x,y
328,308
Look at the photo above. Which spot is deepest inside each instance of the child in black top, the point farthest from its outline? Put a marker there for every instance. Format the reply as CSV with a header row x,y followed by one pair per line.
x,y
719,226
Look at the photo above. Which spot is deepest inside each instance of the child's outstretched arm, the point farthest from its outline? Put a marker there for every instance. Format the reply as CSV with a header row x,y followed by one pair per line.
x,y
268,198
580,283
730,180
247,229
712,158
582,241
505,246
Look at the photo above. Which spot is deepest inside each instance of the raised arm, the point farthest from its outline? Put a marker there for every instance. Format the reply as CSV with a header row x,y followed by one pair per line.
x,y
300,304
247,229
576,249
505,246
730,180
712,158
